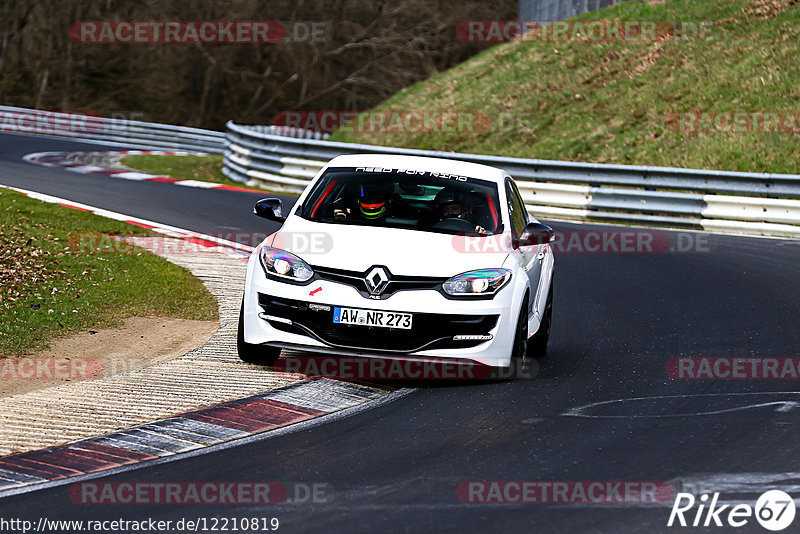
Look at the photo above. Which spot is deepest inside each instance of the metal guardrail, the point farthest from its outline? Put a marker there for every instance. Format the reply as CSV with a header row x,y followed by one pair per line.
x,y
723,201
552,10
105,131
285,159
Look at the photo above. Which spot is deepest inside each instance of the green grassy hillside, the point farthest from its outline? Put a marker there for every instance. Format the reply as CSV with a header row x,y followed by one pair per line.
x,y
615,102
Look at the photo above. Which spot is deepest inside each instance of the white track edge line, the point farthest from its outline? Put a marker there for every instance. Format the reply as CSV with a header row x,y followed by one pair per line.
x,y
157,227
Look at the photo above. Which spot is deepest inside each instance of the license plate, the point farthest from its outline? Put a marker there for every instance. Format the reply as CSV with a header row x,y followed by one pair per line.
x,y
381,319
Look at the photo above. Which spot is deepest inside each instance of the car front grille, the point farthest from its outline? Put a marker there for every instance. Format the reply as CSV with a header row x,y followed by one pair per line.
x,y
428,330
396,283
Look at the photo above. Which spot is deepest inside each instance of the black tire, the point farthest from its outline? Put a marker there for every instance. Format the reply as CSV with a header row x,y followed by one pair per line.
x,y
251,353
519,351
519,360
537,344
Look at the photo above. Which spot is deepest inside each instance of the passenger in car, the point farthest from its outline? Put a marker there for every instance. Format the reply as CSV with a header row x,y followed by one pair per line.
x,y
452,204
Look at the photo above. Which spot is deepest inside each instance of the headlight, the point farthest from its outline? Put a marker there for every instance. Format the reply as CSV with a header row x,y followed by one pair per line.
x,y
277,262
475,283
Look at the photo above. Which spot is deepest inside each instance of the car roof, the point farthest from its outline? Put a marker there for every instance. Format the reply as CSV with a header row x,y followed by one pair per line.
x,y
418,163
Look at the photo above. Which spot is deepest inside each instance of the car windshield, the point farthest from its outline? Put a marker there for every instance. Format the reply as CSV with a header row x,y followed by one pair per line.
x,y
398,198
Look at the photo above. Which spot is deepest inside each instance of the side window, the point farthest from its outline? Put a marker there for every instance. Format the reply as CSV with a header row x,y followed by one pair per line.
x,y
516,210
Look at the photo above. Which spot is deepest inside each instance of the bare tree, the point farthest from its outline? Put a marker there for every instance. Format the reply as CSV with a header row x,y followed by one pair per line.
x,y
371,49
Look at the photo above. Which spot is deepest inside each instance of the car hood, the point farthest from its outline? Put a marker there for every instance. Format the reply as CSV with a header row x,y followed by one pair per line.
x,y
403,252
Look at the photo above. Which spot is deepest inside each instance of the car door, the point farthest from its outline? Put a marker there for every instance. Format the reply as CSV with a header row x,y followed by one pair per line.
x,y
528,256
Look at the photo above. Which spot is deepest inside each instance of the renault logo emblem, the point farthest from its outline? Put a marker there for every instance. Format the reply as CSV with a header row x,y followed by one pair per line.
x,y
377,278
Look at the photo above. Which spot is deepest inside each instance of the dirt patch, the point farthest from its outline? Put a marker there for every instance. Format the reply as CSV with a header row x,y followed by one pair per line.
x,y
650,58
139,342
23,263
767,9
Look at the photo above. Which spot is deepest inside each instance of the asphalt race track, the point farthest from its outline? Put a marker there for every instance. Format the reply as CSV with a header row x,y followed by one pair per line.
x,y
618,319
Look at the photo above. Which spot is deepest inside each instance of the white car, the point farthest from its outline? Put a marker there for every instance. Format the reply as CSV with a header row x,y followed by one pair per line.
x,y
401,257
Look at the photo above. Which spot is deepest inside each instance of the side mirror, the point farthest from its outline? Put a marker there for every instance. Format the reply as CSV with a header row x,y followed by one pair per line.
x,y
270,208
536,234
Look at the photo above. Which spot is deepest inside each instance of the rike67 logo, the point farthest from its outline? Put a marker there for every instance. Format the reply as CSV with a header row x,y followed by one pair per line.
x,y
774,510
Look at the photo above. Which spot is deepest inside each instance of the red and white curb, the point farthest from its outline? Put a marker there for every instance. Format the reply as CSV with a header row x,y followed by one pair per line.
x,y
66,161
214,425
196,432
224,246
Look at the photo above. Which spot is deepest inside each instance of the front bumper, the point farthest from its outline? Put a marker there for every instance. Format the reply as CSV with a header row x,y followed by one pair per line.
x,y
429,330
300,316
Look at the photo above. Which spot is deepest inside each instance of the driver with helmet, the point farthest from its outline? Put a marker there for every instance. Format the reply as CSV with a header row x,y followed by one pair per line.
x,y
374,203
451,204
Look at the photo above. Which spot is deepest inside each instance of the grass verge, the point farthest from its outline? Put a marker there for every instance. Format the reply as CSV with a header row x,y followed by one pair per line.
x,y
60,272
616,101
201,168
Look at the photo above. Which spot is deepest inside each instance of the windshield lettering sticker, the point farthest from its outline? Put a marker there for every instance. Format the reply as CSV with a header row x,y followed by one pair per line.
x,y
444,176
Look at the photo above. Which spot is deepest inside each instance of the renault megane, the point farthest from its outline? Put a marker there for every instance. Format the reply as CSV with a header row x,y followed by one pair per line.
x,y
401,257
